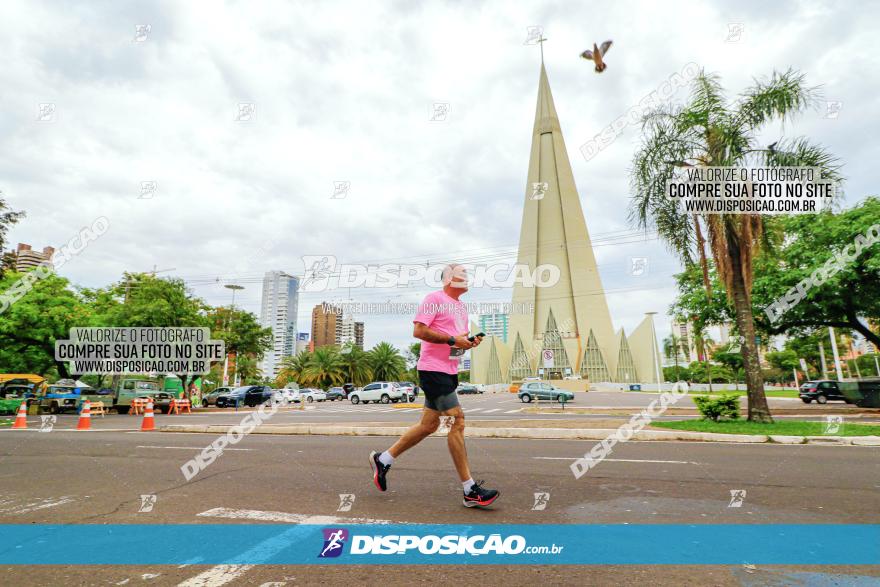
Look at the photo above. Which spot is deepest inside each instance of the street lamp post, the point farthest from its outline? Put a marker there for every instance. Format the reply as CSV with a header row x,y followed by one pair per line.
x,y
234,287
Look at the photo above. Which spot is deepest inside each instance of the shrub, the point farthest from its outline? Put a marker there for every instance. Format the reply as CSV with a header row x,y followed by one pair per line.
x,y
715,408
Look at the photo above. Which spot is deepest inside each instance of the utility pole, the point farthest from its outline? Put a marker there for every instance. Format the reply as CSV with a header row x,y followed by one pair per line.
x,y
234,287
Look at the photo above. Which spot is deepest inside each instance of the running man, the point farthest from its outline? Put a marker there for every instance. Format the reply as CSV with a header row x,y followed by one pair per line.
x,y
441,325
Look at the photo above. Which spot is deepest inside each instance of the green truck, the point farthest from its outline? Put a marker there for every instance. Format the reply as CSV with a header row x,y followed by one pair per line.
x,y
129,389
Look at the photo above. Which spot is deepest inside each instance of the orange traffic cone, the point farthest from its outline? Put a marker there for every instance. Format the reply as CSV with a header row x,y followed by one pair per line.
x,y
148,423
85,417
21,418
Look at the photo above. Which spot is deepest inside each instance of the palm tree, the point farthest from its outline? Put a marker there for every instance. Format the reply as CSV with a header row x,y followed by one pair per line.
x,y
248,368
293,368
672,346
703,341
386,362
355,364
325,368
710,131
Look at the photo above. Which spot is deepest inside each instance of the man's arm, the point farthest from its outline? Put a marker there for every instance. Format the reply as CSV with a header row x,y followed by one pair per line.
x,y
422,332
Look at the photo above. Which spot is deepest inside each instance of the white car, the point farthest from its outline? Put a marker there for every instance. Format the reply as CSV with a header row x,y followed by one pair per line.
x,y
286,395
378,392
311,395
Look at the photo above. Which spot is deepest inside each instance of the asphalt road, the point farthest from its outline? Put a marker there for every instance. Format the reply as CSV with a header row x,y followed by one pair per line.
x,y
99,478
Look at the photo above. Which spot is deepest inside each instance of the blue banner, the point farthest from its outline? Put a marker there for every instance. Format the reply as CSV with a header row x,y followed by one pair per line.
x,y
500,544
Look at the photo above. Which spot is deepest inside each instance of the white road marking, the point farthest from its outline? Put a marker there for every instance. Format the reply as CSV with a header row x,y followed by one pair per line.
x,y
10,506
619,460
472,410
223,574
216,576
285,517
512,411
189,447
492,410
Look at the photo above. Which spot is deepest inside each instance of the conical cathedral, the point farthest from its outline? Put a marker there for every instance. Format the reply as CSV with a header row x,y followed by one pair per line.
x,y
570,331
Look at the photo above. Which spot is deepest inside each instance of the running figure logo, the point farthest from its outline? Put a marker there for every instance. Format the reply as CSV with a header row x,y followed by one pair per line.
x,y
737,496
346,500
541,500
334,540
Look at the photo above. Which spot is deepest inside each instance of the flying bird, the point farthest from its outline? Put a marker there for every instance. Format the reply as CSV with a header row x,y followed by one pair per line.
x,y
597,54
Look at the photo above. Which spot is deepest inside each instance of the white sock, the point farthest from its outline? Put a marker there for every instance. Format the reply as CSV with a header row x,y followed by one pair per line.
x,y
467,485
386,459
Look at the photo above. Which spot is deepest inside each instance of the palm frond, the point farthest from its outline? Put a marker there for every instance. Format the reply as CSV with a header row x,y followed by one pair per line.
x,y
782,96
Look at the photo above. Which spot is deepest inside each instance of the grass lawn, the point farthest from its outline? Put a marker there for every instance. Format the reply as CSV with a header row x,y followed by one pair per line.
x,y
769,392
785,428
772,392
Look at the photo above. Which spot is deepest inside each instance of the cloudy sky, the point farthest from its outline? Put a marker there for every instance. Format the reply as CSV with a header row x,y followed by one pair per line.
x,y
344,91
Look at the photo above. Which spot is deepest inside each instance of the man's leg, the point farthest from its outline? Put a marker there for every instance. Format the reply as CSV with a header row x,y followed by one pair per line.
x,y
474,494
455,442
417,433
381,463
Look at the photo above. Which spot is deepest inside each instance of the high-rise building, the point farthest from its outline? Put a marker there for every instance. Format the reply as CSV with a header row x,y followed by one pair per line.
x,y
570,330
687,352
331,327
302,342
278,311
351,331
24,258
326,324
494,325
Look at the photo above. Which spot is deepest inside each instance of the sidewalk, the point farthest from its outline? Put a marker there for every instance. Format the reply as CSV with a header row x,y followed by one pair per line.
x,y
529,430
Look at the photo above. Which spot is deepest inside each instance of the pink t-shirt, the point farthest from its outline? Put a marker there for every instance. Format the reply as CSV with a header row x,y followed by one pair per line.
x,y
444,314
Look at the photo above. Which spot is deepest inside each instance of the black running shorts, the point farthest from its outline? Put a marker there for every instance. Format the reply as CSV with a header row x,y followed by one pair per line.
x,y
439,390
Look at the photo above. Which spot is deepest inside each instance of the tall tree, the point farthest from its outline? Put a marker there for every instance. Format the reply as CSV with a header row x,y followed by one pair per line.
x,y
325,368
356,364
673,345
848,299
386,362
8,217
143,300
30,326
709,130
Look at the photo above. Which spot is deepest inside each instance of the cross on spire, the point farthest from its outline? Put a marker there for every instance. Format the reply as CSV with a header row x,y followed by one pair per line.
x,y
541,43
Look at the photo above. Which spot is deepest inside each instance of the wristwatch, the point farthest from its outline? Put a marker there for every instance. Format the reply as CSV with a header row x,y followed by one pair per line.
x,y
451,341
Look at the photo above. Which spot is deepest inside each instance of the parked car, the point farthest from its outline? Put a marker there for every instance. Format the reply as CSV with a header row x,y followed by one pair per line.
x,y
210,398
335,393
310,395
536,390
258,394
467,388
379,391
233,398
821,391
410,389
287,395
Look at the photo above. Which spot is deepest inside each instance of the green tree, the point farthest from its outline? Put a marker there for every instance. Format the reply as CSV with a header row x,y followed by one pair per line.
x,y
710,130
31,325
293,368
8,217
386,362
673,345
805,243
356,365
325,368
143,300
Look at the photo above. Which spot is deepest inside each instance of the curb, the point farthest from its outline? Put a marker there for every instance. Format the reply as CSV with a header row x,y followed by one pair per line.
x,y
537,433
